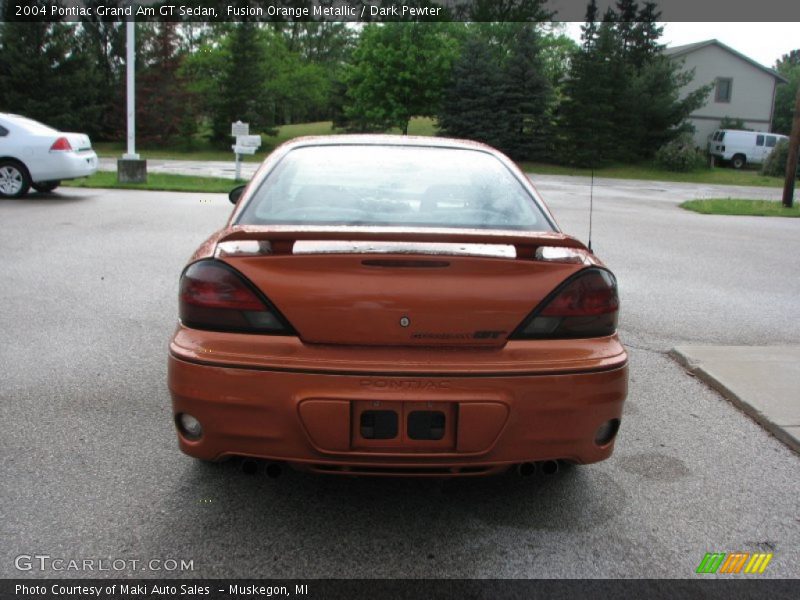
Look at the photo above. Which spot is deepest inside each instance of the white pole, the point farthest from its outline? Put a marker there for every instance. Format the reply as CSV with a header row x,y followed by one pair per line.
x,y
130,64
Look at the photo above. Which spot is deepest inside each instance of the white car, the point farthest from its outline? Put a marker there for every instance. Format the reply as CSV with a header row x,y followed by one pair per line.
x,y
38,156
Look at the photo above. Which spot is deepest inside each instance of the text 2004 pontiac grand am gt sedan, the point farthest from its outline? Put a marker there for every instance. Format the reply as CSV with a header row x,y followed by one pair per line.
x,y
396,306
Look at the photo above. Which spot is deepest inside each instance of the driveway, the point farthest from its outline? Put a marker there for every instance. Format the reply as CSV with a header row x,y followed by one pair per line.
x,y
91,466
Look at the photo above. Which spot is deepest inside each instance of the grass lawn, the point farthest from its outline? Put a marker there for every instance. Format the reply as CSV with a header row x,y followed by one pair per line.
x,y
739,206
202,150
719,175
188,183
199,151
156,181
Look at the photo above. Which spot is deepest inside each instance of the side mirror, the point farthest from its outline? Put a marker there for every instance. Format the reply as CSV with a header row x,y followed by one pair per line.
x,y
235,194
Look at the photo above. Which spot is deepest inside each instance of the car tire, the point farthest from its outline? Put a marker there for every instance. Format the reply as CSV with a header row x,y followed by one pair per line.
x,y
43,187
14,179
738,161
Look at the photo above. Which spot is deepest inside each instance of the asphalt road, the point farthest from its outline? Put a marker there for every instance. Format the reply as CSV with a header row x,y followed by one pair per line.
x,y
90,466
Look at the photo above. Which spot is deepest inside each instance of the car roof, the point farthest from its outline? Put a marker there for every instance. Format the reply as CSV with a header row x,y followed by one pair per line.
x,y
752,132
13,117
26,123
358,139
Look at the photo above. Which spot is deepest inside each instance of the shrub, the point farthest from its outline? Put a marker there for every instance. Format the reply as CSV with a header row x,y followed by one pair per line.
x,y
775,164
680,154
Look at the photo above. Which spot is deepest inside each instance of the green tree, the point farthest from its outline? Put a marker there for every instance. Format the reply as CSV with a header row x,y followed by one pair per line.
x,y
501,90
646,36
523,114
588,115
399,71
241,94
229,75
102,40
789,67
473,94
266,75
661,112
298,89
623,96
557,50
626,24
555,47
165,112
44,78
312,86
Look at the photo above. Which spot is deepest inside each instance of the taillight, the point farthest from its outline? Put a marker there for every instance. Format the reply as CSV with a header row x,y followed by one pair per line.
x,y
586,305
61,145
215,296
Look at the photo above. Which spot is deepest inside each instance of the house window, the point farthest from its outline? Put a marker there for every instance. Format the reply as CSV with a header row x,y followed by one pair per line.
x,y
724,88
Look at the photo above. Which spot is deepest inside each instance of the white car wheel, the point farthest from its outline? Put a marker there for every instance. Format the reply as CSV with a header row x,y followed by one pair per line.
x,y
14,181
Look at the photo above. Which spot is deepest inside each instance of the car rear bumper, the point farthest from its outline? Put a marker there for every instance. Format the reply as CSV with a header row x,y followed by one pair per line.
x,y
58,166
312,419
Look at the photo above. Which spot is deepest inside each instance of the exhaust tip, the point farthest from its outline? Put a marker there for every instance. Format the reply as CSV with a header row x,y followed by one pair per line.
x,y
249,466
274,470
526,469
550,467
606,432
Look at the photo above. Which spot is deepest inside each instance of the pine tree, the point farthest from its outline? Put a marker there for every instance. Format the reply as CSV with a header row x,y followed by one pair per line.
x,y
646,33
654,99
589,28
589,114
526,99
626,23
102,40
241,88
471,100
44,78
623,95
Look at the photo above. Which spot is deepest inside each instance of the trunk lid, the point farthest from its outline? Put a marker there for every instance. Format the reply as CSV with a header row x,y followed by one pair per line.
x,y
80,142
423,293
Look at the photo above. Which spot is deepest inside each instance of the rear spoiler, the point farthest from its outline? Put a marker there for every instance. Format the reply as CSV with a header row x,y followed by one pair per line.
x,y
283,237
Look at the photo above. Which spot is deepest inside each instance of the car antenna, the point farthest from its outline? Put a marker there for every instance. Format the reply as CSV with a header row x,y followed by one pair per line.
x,y
591,208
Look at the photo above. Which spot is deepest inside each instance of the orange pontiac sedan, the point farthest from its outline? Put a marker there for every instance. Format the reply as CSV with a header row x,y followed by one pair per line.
x,y
383,305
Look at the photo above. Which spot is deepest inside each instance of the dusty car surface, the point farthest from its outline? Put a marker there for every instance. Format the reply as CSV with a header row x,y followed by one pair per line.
x,y
35,155
388,305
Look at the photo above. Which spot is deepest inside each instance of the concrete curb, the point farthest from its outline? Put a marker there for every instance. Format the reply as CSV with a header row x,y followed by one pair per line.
x,y
707,376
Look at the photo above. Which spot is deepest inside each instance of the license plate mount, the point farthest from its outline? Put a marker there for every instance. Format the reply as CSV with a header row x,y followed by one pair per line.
x,y
413,426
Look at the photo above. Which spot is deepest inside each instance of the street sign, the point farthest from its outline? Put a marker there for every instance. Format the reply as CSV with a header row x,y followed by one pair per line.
x,y
251,141
240,128
244,149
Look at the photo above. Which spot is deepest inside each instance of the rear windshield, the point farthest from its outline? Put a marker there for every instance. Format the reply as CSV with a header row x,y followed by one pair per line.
x,y
393,186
